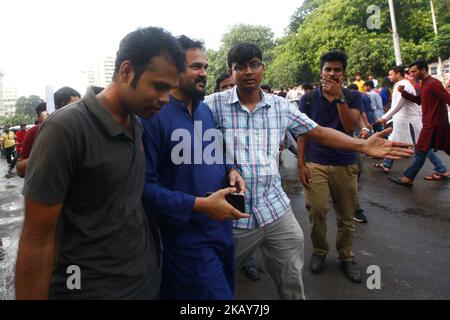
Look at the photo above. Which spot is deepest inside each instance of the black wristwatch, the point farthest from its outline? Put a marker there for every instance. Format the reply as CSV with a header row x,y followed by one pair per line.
x,y
340,100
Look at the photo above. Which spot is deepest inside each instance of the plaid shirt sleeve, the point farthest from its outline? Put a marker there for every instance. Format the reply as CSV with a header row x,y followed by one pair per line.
x,y
298,122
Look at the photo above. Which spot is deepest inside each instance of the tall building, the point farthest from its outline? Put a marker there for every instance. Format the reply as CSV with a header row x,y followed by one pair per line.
x,y
10,96
1,90
436,72
100,73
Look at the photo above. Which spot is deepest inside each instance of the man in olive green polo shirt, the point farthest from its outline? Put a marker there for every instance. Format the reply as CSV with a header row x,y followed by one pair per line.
x,y
85,235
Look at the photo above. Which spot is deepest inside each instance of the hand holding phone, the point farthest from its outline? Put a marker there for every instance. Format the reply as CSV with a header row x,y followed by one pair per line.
x,y
225,204
237,200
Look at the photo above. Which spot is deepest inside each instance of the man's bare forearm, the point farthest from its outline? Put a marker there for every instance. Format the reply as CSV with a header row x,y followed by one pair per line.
x,y
361,122
34,267
346,118
21,167
301,144
36,250
335,139
365,120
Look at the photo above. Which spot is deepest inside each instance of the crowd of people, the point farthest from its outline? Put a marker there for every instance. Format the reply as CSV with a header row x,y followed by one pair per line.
x,y
132,182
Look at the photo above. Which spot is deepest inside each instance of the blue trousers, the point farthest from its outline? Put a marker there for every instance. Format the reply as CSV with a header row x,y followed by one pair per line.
x,y
204,273
419,160
438,166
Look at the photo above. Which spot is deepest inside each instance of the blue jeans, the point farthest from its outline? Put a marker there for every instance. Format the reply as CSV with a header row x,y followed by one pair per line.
x,y
377,128
438,166
419,160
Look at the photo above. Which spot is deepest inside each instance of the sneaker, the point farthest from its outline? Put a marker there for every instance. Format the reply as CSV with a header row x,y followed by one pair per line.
x,y
351,271
317,262
252,273
360,216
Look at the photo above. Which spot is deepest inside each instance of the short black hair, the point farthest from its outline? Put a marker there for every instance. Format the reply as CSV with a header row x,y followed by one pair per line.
x,y
369,84
142,45
222,77
334,55
62,96
266,87
387,83
307,86
398,69
420,63
187,43
353,87
23,125
41,107
243,52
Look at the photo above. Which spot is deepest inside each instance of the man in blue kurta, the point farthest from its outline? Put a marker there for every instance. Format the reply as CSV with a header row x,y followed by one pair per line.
x,y
182,165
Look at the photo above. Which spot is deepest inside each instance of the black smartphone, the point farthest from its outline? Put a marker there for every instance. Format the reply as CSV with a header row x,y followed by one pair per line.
x,y
237,200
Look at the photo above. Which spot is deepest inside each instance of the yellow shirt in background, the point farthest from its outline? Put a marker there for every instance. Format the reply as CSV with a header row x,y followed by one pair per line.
x,y
360,85
8,139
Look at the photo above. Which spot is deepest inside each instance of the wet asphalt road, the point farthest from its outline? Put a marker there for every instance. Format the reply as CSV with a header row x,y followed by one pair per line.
x,y
11,219
408,237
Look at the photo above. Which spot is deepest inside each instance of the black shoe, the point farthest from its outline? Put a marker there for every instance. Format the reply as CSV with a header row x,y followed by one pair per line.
x,y
360,216
351,271
398,181
252,273
317,262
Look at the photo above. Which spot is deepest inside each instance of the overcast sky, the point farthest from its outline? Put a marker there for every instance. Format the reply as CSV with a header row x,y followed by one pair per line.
x,y
49,42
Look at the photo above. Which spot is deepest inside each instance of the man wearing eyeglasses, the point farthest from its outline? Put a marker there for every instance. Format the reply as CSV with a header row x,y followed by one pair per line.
x,y
254,124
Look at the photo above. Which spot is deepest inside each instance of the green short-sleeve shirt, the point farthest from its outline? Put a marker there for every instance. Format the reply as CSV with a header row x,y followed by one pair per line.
x,y
85,160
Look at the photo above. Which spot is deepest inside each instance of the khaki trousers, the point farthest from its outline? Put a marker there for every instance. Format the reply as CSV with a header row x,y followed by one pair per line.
x,y
339,182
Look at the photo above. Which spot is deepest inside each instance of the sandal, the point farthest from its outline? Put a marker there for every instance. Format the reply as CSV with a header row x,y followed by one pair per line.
x,y
435,176
382,167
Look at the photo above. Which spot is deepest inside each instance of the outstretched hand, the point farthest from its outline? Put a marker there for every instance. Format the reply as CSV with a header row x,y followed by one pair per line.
x,y
379,147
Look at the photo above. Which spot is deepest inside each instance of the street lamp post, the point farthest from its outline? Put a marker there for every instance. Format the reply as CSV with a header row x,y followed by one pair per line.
x,y
433,15
396,38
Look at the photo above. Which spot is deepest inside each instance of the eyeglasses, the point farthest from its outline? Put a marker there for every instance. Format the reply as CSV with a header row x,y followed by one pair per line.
x,y
254,66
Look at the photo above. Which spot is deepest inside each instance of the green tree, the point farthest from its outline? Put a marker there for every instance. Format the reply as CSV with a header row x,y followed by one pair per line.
x,y
301,13
342,24
217,59
15,120
27,106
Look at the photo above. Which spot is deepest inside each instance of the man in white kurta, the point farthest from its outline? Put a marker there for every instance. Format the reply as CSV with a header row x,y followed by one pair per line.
x,y
407,119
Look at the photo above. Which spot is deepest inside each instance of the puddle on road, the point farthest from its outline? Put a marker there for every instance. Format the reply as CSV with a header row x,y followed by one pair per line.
x,y
7,266
11,220
10,186
416,212
12,206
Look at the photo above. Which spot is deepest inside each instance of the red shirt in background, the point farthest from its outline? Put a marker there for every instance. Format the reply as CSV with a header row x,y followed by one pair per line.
x,y
28,142
20,138
436,128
